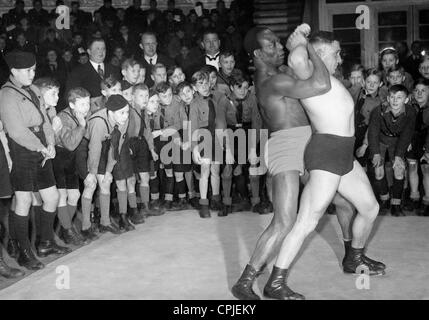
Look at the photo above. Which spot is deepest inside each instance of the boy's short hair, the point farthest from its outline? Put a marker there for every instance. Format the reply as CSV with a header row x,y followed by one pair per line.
x,y
158,66
77,93
171,70
421,81
162,87
108,83
199,76
237,78
46,83
129,63
396,68
373,72
398,88
208,69
226,54
140,86
182,86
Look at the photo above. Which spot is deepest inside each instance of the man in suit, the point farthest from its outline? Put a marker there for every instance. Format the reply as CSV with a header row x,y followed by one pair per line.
x,y
147,56
90,74
211,50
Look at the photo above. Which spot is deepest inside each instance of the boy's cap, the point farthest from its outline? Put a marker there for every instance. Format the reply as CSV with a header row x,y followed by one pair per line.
x,y
20,59
116,102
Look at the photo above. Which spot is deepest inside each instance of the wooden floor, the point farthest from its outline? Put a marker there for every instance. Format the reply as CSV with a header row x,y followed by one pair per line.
x,y
180,256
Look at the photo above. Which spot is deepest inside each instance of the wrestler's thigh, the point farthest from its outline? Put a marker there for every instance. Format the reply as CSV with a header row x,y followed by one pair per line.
x,y
355,187
285,195
317,195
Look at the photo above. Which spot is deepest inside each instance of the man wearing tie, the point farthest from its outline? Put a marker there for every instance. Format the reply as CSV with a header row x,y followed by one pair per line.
x,y
210,56
148,57
90,74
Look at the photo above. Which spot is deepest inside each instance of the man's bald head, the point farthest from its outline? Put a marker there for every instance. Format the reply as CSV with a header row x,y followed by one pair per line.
x,y
251,40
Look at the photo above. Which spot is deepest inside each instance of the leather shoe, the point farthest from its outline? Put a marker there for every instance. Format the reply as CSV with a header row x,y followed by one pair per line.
x,y
28,260
110,228
204,211
155,208
48,247
124,223
69,236
89,234
227,209
135,216
9,272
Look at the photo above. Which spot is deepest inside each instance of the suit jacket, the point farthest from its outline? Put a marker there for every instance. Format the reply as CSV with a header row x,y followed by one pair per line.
x,y
165,60
86,77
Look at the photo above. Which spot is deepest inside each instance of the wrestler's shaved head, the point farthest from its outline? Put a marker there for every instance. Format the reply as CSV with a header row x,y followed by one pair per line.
x,y
328,48
265,45
251,41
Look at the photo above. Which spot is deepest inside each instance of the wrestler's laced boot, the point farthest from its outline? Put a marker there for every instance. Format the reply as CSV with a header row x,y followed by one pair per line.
x,y
243,290
12,248
135,216
376,264
6,271
276,287
124,223
356,262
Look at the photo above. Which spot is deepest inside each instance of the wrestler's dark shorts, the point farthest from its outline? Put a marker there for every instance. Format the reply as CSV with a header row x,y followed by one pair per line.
x,y
330,153
141,154
5,185
124,168
64,165
27,174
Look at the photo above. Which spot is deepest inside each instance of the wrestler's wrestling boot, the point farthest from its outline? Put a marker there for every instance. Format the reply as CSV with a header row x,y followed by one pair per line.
x,y
356,263
243,290
276,287
375,264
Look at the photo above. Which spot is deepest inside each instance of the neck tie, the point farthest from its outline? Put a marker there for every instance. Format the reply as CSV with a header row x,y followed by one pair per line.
x,y
100,71
115,137
151,61
212,59
187,110
161,118
151,122
212,113
239,114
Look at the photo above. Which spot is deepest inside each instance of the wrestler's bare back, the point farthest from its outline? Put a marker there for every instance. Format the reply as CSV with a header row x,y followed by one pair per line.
x,y
278,111
332,112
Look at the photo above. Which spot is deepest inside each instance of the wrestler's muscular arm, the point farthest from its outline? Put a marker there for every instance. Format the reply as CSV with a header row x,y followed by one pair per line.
x,y
319,82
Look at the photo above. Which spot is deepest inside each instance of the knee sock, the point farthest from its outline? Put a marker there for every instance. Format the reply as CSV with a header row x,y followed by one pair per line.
x,y
86,213
226,187
254,185
169,188
132,200
144,194
181,188
38,212
240,184
47,225
72,211
397,189
122,201
64,217
154,188
12,224
105,208
21,229
381,188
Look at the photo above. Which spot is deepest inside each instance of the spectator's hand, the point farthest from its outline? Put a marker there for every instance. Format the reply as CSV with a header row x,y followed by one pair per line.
x,y
360,152
154,155
376,160
81,119
196,156
90,180
50,151
56,124
399,163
